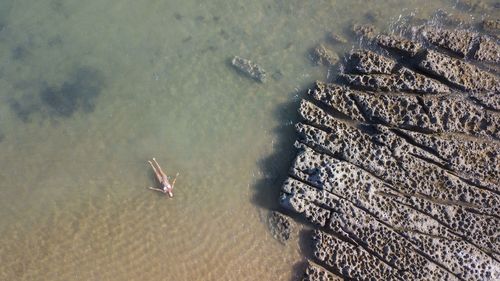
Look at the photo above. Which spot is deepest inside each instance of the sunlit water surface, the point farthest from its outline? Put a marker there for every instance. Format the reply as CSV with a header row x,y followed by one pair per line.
x,y
90,90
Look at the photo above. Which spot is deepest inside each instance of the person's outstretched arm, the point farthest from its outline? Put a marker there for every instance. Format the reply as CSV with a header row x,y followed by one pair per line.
x,y
156,189
173,182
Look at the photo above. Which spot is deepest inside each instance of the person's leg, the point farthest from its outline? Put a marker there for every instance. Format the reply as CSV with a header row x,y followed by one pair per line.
x,y
159,176
160,170
157,189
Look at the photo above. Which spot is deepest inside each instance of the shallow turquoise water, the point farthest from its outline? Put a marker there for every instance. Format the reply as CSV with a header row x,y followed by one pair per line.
x,y
90,90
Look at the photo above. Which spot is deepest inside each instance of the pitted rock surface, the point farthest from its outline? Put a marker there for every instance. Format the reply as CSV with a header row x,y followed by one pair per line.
x,y
368,62
460,73
338,98
389,162
492,26
440,114
364,30
489,99
352,259
458,41
402,45
281,226
300,204
487,50
397,165
249,68
463,43
315,272
340,183
383,74
478,159
404,80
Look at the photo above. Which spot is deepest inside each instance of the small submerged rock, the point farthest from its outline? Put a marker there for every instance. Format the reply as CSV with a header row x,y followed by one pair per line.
x,y
471,5
364,30
321,55
277,75
249,68
281,226
373,16
491,25
335,38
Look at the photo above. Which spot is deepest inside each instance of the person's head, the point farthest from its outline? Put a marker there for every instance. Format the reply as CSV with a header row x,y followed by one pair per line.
x,y
170,194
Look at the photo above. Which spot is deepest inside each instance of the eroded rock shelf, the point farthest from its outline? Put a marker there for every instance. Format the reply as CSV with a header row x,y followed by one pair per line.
x,y
398,167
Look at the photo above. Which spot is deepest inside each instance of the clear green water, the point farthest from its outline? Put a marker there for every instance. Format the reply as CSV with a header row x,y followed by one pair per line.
x,y
73,203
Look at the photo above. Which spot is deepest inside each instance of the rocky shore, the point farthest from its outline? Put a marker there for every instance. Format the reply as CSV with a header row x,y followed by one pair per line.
x,y
398,165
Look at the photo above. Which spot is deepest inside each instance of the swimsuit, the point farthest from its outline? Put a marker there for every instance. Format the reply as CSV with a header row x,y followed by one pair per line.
x,y
166,187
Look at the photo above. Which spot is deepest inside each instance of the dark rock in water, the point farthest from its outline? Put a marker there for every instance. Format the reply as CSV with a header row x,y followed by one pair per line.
x,y
178,16
55,41
397,169
366,30
335,38
491,25
281,226
471,5
249,68
322,55
373,16
277,75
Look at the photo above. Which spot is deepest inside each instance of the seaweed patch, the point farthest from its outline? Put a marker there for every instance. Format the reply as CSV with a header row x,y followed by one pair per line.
x,y
24,107
19,52
77,93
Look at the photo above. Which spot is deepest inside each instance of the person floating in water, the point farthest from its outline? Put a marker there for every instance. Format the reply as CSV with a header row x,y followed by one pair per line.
x,y
167,188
